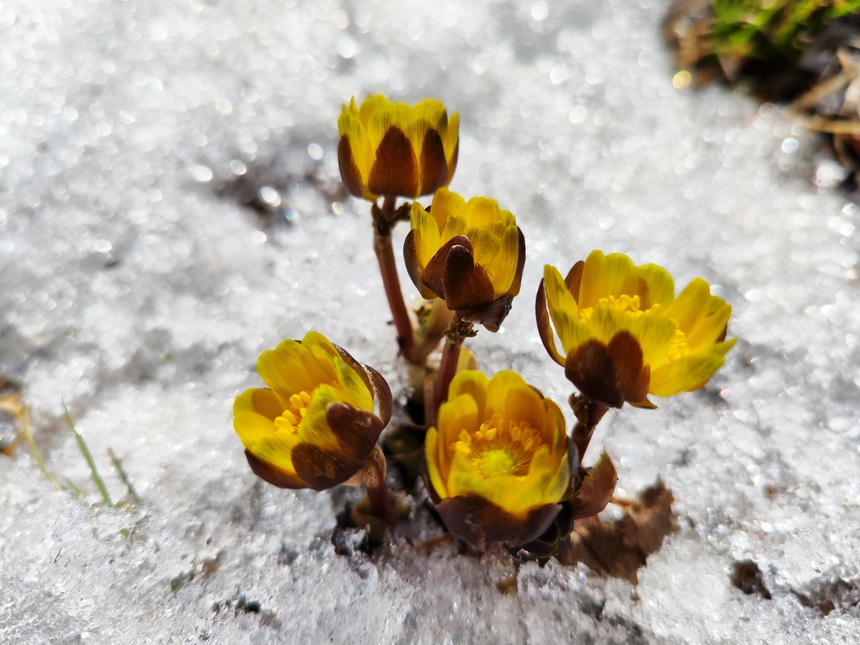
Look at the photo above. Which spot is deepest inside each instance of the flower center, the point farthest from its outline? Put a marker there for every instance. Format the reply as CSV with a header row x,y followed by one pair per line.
x,y
496,462
631,306
500,447
291,418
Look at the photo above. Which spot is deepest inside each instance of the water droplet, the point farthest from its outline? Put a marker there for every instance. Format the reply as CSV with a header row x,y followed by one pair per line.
x,y
682,80
540,10
270,197
223,106
201,173
789,145
315,151
102,246
578,114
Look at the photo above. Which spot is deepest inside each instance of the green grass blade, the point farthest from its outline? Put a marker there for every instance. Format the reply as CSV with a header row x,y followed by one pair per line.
x,y
88,456
28,437
118,465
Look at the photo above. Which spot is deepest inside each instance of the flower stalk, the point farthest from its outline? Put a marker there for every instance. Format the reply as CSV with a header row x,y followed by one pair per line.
x,y
373,478
384,219
588,414
458,331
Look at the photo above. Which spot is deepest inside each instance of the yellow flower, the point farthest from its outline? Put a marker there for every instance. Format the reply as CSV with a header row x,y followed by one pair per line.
x,y
497,462
314,426
470,254
395,150
625,335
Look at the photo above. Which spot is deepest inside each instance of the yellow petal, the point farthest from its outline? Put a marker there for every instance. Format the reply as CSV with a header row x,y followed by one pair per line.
x,y
415,131
606,322
433,457
319,345
289,369
559,482
480,211
510,396
433,112
373,105
690,305
487,251
564,311
709,328
380,123
606,275
454,226
363,153
427,236
444,204
504,265
554,429
655,337
456,415
245,402
314,429
659,286
452,136
265,402
474,384
499,490
685,374
532,492
722,348
260,436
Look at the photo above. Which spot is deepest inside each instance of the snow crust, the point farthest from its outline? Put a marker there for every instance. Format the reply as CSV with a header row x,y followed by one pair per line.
x,y
138,286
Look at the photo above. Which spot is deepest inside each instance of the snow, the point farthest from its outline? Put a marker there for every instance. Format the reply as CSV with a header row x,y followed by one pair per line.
x,y
138,287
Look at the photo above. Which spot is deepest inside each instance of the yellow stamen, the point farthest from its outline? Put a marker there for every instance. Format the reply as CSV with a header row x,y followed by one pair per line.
x,y
500,447
631,306
290,419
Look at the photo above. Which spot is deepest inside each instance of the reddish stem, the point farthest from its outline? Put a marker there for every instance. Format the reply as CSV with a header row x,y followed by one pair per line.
x,y
458,331
373,479
382,226
588,414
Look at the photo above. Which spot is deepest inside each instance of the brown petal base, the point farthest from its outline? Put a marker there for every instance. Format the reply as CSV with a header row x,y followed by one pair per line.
x,y
395,171
610,374
479,522
357,431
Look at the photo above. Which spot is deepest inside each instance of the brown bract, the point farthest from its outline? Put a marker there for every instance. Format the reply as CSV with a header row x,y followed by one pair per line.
x,y
594,489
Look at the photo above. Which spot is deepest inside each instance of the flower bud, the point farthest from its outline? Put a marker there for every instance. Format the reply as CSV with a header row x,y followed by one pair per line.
x,y
394,150
470,254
